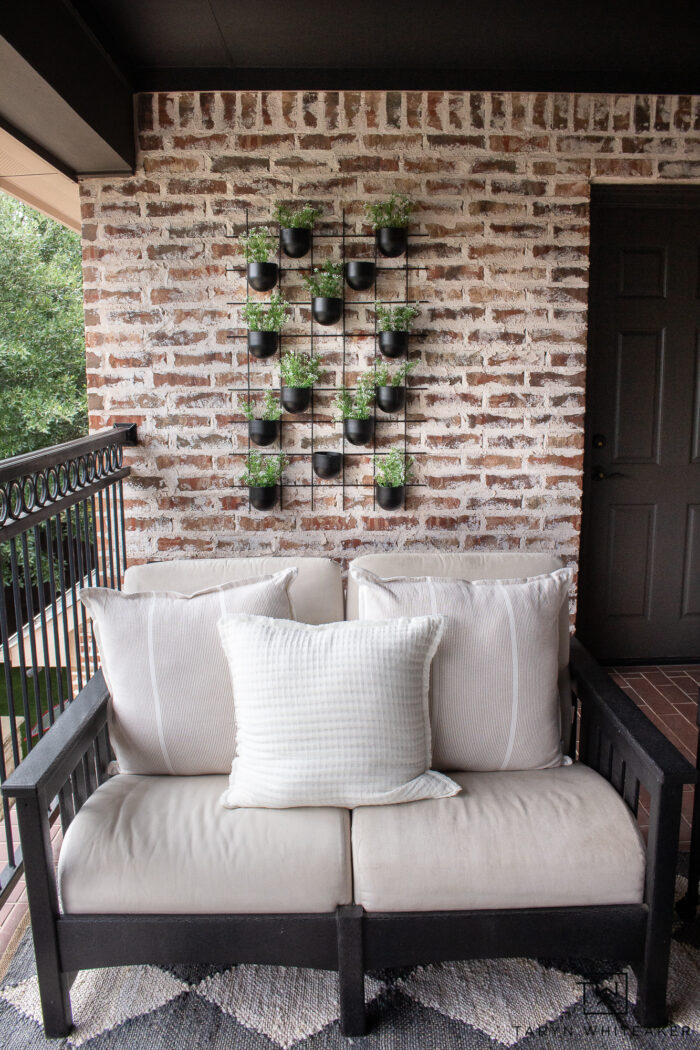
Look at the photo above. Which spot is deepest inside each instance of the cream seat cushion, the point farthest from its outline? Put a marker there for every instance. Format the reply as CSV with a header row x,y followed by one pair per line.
x,y
537,838
155,845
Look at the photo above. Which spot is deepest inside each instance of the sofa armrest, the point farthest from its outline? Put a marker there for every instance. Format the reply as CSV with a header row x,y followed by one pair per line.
x,y
50,764
614,730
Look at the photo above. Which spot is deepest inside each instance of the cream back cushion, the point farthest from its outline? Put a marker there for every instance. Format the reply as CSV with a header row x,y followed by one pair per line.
x,y
331,715
476,565
316,594
494,700
172,706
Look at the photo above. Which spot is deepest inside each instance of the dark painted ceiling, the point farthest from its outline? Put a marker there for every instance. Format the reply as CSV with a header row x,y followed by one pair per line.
x,y
618,45
69,68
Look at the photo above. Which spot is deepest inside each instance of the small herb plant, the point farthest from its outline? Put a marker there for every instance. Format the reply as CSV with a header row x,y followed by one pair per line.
x,y
301,219
394,212
263,471
396,318
393,470
258,245
266,317
300,369
383,377
270,411
356,405
326,282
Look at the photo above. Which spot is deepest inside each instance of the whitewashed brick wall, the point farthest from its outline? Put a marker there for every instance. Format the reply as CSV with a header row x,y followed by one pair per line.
x,y
502,183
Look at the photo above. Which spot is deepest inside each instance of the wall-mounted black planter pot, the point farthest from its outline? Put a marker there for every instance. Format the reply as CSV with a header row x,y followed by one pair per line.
x,y
358,431
262,497
392,240
262,431
262,344
326,311
262,276
393,344
390,497
295,242
391,398
360,275
327,464
296,398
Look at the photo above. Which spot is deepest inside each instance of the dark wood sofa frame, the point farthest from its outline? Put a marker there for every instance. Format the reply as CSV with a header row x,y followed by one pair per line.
x,y
614,738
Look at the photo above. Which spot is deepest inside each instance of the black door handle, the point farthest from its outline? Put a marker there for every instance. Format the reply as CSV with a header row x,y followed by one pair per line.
x,y
598,474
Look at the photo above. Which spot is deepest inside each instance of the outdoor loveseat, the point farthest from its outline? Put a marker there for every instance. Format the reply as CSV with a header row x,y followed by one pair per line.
x,y
536,862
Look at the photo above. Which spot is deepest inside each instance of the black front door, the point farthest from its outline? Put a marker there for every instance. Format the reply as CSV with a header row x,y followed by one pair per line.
x,y
640,554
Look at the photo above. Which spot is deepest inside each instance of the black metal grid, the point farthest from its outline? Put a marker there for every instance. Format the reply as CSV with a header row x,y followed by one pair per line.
x,y
403,420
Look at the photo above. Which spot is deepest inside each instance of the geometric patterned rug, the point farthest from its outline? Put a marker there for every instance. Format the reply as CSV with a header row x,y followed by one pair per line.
x,y
475,1005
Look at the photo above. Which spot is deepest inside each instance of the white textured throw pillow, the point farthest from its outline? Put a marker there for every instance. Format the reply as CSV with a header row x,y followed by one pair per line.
x,y
171,698
495,701
331,715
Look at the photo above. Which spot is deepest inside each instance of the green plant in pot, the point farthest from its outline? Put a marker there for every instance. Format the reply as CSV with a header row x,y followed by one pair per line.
x,y
262,476
395,323
262,421
299,372
355,409
326,287
258,246
391,386
391,475
390,219
265,321
295,228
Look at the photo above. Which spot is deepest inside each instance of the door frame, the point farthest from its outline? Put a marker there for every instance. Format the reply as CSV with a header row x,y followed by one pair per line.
x,y
616,196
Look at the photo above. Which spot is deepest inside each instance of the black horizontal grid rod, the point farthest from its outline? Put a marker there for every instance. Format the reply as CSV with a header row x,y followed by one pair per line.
x,y
350,302
306,455
308,269
318,389
335,484
317,233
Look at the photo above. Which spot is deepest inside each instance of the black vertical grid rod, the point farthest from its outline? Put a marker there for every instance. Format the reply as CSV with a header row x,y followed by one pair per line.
x,y
31,627
51,561
311,350
405,396
374,407
19,621
342,249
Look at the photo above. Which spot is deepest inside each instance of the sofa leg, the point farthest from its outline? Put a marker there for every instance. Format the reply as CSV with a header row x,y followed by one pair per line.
x,y
652,971
42,895
351,974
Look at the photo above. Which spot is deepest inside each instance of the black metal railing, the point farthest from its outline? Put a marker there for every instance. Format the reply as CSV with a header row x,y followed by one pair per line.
x,y
61,528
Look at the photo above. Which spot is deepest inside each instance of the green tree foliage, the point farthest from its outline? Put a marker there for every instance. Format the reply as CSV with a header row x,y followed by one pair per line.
x,y
42,345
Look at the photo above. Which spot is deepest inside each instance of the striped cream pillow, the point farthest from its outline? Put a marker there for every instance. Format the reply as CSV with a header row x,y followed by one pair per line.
x,y
171,697
331,715
494,696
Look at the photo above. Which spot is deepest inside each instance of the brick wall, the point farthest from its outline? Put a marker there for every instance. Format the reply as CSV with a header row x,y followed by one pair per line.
x,y
502,182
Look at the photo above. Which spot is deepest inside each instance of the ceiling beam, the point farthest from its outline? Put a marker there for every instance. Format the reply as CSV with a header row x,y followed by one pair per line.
x,y
297,78
47,46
